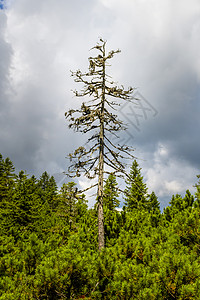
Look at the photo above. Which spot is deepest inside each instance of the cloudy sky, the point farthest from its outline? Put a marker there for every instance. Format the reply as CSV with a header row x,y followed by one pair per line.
x,y
41,41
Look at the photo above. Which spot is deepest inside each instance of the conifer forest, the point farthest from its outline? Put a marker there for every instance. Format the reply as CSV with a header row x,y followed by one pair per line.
x,y
54,246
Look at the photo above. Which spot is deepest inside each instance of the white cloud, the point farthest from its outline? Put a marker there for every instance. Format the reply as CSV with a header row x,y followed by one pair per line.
x,y
167,175
173,187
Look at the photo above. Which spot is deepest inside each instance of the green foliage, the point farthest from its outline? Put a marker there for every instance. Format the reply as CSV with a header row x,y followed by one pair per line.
x,y
197,194
71,205
110,199
136,190
48,243
7,178
48,190
179,204
112,217
153,204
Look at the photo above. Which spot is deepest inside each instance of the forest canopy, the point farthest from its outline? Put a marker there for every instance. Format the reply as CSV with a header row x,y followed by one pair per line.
x,y
49,241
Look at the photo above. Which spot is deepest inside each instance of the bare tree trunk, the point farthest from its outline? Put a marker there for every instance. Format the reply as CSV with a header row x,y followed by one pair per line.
x,y
96,116
101,164
100,193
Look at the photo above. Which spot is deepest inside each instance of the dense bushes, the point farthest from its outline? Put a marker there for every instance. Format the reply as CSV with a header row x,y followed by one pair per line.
x,y
48,244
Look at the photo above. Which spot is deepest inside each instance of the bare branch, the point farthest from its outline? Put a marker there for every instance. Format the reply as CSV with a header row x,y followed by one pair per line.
x,y
87,189
123,148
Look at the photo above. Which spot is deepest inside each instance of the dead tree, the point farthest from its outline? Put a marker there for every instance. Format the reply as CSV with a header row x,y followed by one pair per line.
x,y
97,118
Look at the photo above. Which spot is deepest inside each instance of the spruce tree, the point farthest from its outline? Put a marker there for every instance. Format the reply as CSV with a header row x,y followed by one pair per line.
x,y
153,204
23,209
112,217
110,193
96,118
7,190
7,178
71,205
48,188
188,200
197,194
136,190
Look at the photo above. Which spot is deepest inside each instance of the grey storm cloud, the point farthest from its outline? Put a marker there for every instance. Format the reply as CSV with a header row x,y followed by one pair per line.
x,y
41,41
6,55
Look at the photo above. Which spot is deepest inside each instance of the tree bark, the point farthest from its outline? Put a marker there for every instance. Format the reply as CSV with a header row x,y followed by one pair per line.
x,y
96,116
101,237
100,193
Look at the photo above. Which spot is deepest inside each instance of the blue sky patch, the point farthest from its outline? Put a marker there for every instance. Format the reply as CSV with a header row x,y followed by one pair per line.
x,y
2,4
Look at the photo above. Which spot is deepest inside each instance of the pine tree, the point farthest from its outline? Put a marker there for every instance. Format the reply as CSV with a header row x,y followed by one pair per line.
x,y
188,200
112,217
7,178
95,117
24,207
72,205
153,204
197,194
7,189
178,203
154,209
136,190
27,204
48,188
110,193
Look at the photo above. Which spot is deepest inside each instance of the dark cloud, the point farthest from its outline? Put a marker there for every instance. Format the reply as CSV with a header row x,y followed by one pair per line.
x,y
5,64
6,56
40,41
